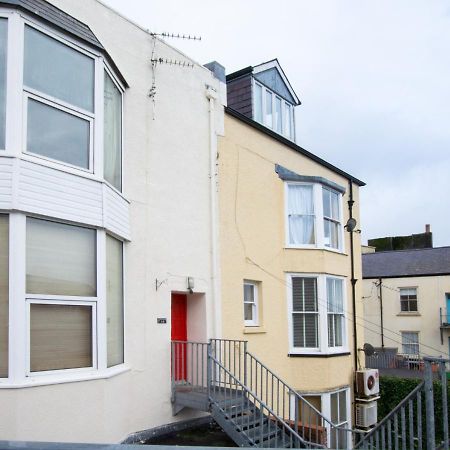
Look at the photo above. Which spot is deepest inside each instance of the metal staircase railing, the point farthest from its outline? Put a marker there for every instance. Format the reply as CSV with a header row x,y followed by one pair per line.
x,y
236,382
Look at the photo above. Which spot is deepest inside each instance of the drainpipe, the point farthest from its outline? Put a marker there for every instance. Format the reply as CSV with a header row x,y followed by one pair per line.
x,y
380,285
353,279
212,96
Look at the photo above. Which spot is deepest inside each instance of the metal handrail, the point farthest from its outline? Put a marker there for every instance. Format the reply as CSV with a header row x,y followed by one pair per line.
x,y
300,397
285,425
410,396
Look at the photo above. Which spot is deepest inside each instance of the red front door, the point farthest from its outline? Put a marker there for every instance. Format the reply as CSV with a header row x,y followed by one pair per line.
x,y
179,333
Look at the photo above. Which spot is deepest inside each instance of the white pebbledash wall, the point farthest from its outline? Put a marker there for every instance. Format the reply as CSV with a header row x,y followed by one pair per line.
x,y
167,190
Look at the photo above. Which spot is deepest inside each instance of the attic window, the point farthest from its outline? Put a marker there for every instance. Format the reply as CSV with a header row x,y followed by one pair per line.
x,y
273,111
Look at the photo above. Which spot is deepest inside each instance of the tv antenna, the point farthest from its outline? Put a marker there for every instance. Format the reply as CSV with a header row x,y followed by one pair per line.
x,y
155,60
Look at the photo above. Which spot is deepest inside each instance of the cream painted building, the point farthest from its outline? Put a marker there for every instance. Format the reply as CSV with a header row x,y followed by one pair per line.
x,y
407,300
107,213
286,256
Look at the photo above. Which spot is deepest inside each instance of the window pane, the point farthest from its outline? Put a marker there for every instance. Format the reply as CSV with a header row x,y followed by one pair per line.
x,y
113,133
288,121
57,134
331,233
304,294
258,103
342,406
58,70
114,300
60,337
305,330
249,293
61,259
326,202
4,294
269,116
334,399
301,214
278,115
3,49
248,311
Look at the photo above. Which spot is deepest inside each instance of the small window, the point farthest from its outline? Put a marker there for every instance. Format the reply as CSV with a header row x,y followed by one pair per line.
x,y
305,313
408,300
250,303
269,110
301,215
410,342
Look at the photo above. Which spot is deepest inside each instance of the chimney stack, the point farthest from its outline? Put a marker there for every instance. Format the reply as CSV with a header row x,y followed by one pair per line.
x,y
427,228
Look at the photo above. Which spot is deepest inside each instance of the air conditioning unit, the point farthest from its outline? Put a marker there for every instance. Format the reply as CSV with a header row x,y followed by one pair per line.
x,y
367,383
366,414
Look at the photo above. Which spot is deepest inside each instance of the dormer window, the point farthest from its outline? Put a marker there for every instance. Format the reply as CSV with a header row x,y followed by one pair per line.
x,y
273,111
264,94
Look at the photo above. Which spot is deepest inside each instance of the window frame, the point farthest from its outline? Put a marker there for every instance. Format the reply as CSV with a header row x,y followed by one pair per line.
x,y
286,118
409,311
319,218
44,300
417,333
255,304
323,347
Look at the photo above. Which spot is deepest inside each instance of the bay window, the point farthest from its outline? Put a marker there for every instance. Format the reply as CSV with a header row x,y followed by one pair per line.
x,y
317,314
3,45
314,216
4,294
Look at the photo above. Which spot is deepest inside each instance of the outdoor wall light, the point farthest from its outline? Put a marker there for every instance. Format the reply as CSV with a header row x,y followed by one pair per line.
x,y
190,284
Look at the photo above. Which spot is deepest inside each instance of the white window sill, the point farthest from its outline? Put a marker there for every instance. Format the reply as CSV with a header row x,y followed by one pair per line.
x,y
312,247
409,314
44,380
254,329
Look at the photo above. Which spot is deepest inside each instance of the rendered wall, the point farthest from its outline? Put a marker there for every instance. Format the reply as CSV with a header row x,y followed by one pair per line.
x,y
166,180
430,297
252,220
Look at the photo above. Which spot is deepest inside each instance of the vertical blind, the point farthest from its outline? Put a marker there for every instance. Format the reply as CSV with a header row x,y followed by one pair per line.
x,y
60,337
114,301
61,259
4,295
113,134
301,214
305,313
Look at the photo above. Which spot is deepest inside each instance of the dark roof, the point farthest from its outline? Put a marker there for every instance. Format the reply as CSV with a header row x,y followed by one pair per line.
x,y
57,17
407,263
65,22
292,145
239,73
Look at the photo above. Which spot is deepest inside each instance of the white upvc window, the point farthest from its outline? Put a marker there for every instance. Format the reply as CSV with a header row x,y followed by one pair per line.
x,y
313,216
316,314
251,304
59,92
410,342
273,111
60,102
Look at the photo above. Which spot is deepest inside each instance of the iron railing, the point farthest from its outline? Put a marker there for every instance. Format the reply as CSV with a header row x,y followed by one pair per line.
x,y
412,424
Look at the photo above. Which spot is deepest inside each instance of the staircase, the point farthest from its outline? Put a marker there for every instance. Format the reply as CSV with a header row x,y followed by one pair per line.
x,y
248,400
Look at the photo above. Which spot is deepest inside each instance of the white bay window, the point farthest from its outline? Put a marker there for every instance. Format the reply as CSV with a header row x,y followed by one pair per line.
x,y
317,314
314,216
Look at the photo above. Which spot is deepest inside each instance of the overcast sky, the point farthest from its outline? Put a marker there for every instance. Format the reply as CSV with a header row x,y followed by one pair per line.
x,y
373,78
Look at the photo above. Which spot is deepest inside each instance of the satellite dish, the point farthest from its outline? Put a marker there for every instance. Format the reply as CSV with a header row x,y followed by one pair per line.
x,y
351,224
368,349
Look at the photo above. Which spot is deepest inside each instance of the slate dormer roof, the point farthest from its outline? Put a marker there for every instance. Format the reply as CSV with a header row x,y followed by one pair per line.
x,y
407,263
58,18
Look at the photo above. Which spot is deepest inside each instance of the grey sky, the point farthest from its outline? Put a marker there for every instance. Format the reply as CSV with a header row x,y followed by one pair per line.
x,y
373,78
